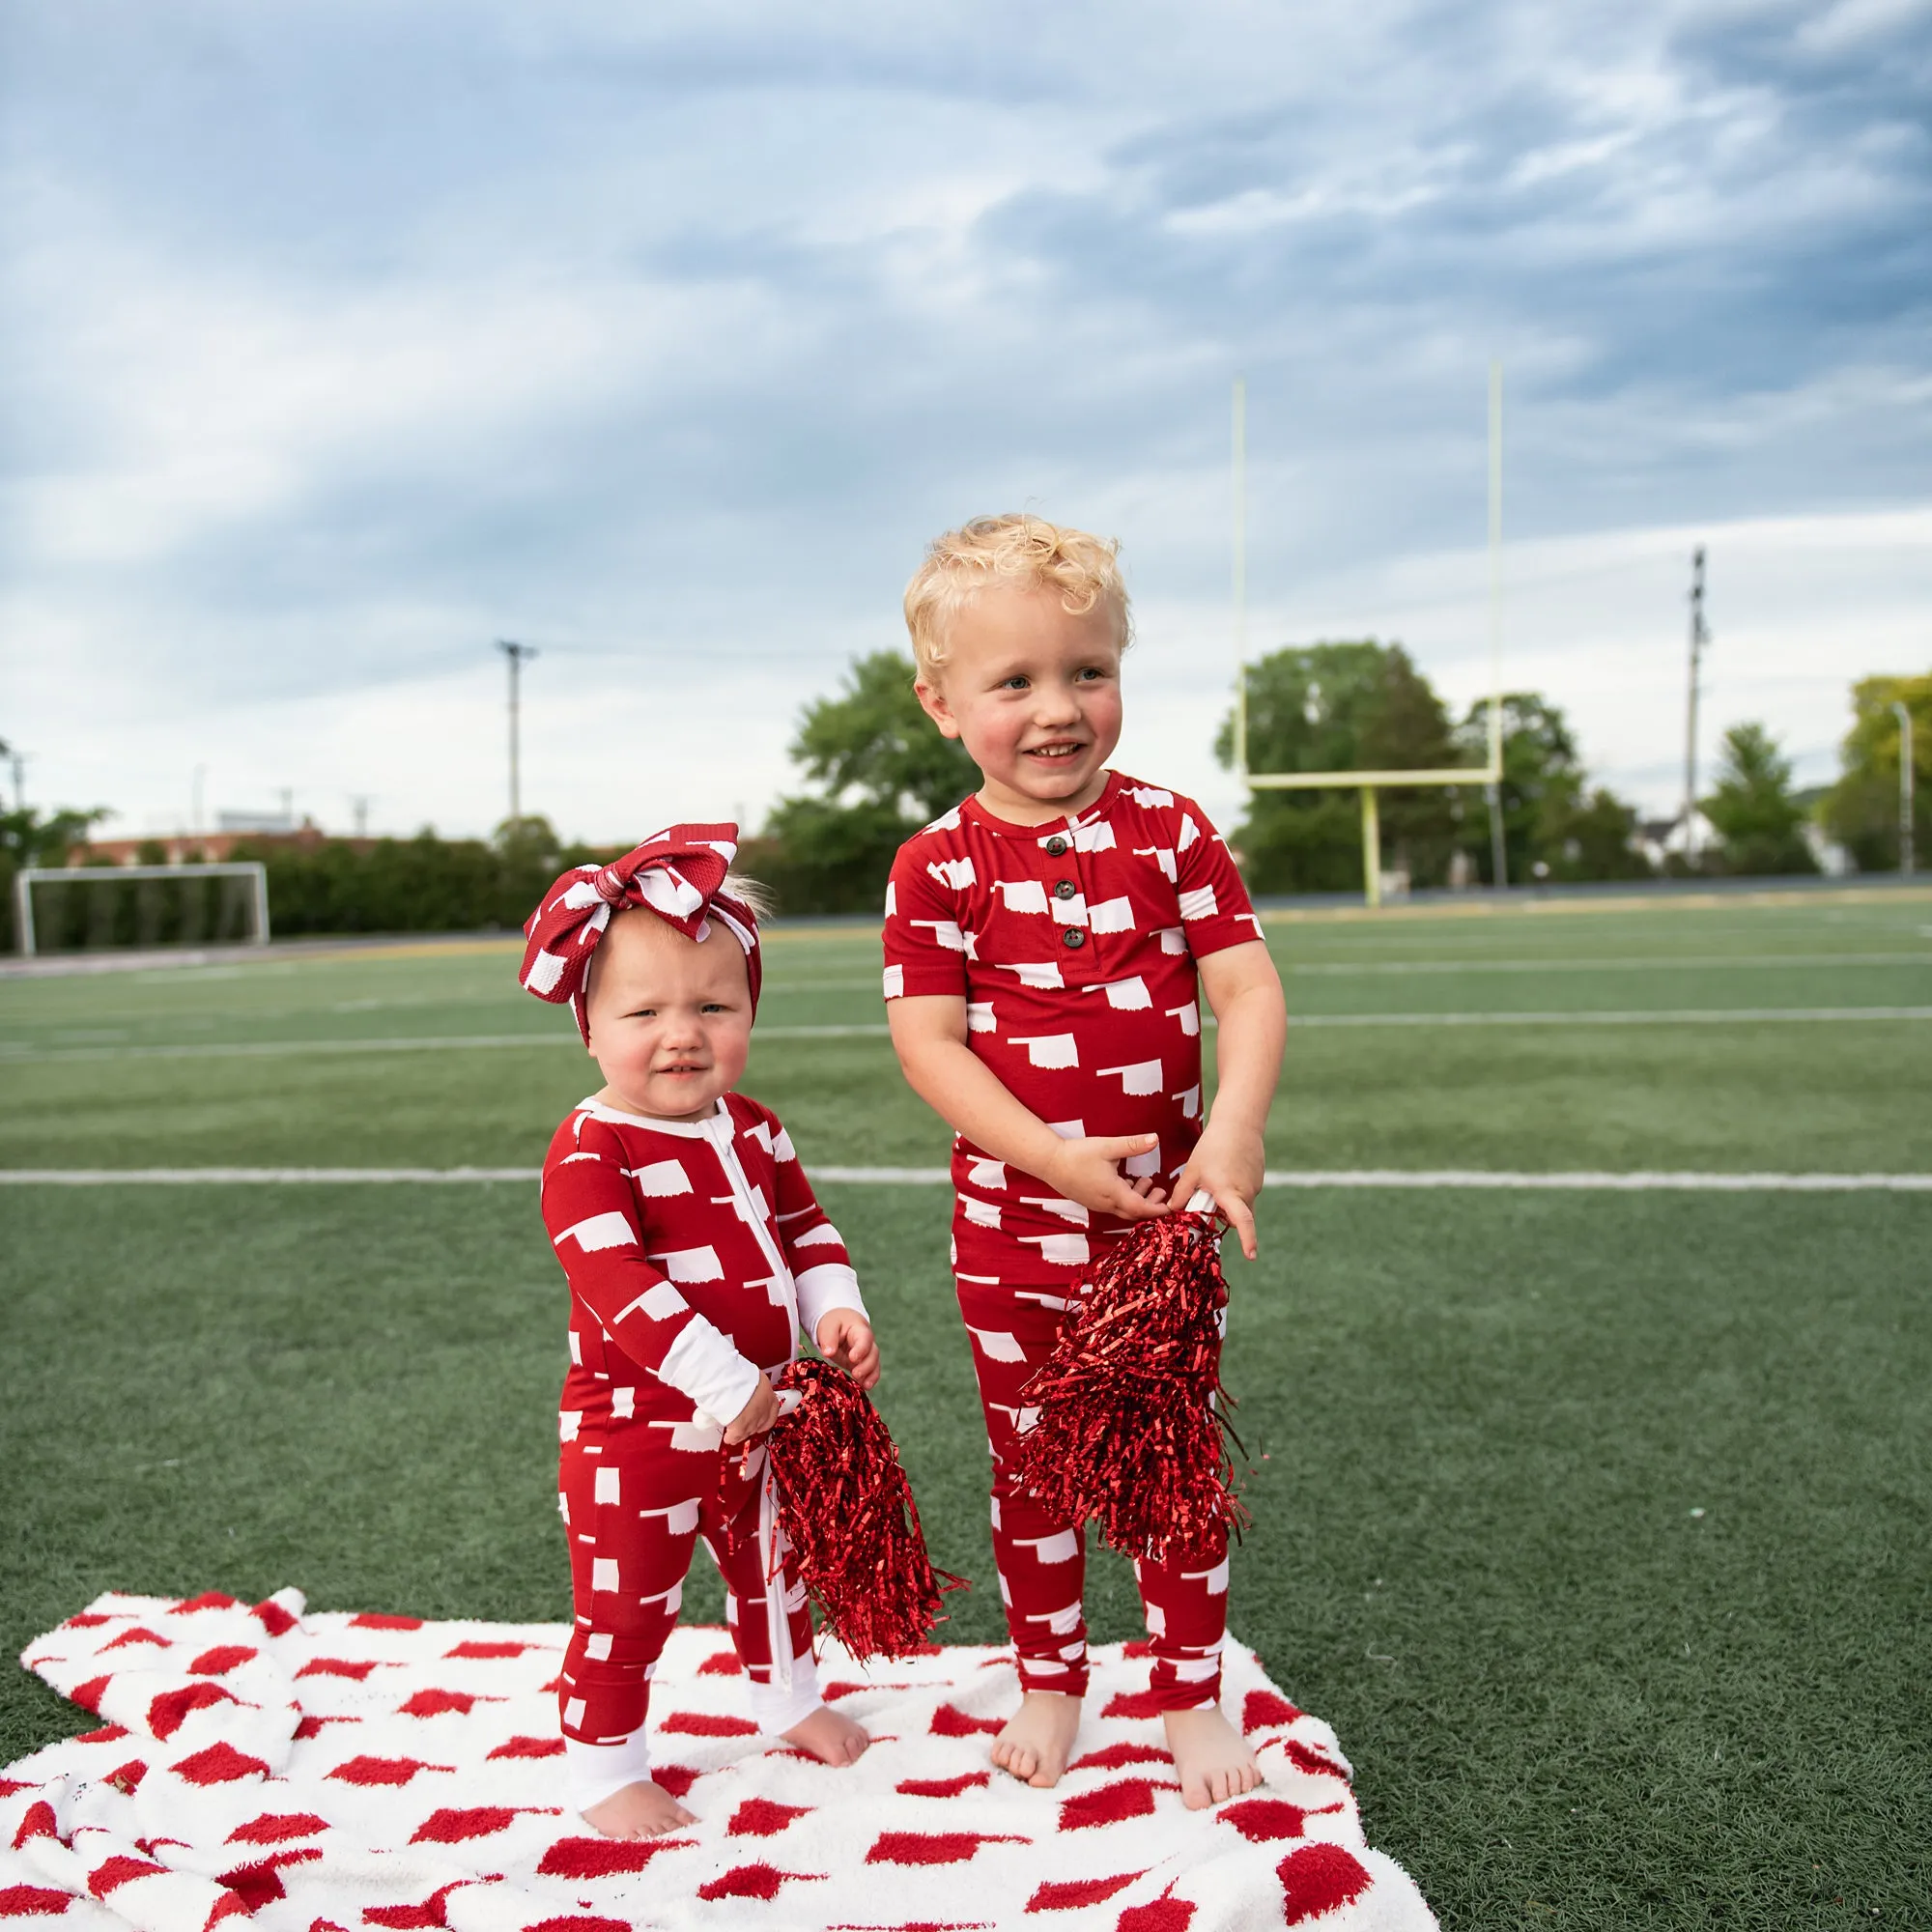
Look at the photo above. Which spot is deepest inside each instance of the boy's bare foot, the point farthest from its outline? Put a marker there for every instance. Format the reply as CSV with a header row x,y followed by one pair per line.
x,y
1213,1762
1038,1739
828,1737
641,1810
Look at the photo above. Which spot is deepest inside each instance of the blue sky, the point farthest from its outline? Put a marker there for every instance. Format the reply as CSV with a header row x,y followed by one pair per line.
x,y
342,339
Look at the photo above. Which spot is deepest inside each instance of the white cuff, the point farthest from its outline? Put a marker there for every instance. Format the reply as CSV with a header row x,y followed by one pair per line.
x,y
597,1771
822,1289
776,1709
703,1364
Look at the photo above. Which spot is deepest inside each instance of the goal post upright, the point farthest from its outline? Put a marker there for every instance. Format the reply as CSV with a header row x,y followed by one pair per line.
x,y
1370,783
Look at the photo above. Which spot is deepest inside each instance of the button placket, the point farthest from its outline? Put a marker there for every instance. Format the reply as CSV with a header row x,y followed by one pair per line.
x,y
1064,884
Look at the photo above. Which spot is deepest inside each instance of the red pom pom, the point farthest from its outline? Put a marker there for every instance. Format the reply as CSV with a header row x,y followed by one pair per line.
x,y
1131,1429
846,1509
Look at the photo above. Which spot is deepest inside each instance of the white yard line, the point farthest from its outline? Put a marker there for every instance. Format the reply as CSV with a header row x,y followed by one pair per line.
x,y
261,1049
1585,1181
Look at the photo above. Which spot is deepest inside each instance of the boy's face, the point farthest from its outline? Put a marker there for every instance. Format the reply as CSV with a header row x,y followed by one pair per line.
x,y
671,1018
1034,694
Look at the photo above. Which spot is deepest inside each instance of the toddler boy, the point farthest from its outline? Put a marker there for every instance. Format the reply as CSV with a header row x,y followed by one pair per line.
x,y
1045,943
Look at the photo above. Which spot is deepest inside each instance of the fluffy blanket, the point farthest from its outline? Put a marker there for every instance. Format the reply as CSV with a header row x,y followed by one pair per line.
x,y
336,1772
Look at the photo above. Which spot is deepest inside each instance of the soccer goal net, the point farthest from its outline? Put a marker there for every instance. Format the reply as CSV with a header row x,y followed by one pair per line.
x,y
85,908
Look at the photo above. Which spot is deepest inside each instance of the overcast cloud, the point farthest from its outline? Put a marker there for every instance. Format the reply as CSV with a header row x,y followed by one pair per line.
x,y
343,339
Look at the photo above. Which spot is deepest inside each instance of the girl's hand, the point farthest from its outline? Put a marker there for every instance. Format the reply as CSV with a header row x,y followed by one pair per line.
x,y
756,1417
1228,1166
845,1336
1089,1170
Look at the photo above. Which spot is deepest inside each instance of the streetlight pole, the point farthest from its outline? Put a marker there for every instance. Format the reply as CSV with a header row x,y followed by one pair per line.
x,y
1700,636
1905,778
517,655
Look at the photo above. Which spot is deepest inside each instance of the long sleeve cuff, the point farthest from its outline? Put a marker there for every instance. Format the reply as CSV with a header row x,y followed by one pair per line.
x,y
703,1364
822,1289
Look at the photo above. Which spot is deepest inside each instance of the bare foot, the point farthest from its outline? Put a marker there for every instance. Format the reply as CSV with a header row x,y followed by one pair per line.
x,y
828,1737
1038,1739
641,1810
1213,1762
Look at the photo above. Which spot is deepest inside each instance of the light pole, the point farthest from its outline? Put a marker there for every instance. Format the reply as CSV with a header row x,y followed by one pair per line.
x,y
1700,636
517,655
1900,711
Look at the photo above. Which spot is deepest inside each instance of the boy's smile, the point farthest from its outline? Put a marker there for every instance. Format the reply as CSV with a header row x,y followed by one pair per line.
x,y
1033,690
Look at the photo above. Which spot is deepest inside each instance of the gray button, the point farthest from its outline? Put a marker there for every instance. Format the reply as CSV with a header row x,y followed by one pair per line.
x,y
1073,936
1065,890
1055,846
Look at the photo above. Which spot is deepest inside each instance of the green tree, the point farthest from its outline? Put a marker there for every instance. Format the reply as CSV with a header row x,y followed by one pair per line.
x,y
1547,818
872,739
1355,706
1861,810
1756,818
26,839
881,770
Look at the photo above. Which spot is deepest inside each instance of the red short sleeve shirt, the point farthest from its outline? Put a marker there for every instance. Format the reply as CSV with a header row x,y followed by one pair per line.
x,y
1073,945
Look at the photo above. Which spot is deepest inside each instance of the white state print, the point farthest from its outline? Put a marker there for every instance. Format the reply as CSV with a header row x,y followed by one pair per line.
x,y
1071,911
981,1213
824,1236
985,1173
1190,1103
996,1345
691,1263
1199,903
1069,1250
1161,855
1189,1017
1069,1131
1054,1204
1140,1076
1112,916
1022,895
980,1016
891,898
1189,832
945,932
600,1231
1049,1049
1150,796
954,874
1061,1547
1041,973
947,821
1098,837
895,982
1125,996
782,1147
1142,1166
1173,941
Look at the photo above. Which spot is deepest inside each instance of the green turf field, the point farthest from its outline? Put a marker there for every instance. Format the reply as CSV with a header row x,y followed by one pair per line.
x,y
1483,1424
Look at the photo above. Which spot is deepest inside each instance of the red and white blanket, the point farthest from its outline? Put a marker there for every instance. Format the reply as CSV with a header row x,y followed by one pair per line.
x,y
336,1772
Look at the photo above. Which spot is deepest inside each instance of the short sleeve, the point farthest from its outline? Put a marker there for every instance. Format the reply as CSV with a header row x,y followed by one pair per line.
x,y
1215,910
925,951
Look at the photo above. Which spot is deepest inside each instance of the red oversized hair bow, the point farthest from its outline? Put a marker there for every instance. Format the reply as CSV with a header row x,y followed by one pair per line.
x,y
678,873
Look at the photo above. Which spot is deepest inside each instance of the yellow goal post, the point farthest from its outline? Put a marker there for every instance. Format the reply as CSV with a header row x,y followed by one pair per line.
x,y
1370,783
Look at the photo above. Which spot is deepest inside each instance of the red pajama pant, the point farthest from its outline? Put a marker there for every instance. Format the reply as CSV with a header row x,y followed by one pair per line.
x,y
1042,1558
635,1499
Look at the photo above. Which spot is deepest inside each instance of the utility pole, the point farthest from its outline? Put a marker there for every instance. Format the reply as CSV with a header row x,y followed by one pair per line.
x,y
358,804
517,655
1700,636
1905,779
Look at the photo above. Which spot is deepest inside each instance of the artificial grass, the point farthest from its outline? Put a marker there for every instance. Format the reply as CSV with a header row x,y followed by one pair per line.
x,y
1479,1426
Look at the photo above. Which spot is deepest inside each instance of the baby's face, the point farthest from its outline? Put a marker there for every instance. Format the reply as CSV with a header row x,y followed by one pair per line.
x,y
1034,694
671,1018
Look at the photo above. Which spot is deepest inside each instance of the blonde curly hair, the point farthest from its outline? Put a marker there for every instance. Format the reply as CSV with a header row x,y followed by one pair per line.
x,y
1018,550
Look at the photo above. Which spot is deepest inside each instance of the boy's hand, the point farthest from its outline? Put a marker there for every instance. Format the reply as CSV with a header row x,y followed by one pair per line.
x,y
756,1417
1088,1171
1229,1165
844,1336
